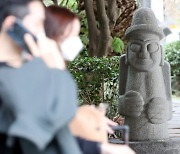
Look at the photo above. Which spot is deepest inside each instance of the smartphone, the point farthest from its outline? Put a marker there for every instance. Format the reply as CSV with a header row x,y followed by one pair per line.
x,y
125,130
17,32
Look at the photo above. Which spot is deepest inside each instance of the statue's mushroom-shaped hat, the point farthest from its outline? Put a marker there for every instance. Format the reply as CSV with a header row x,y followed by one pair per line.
x,y
144,20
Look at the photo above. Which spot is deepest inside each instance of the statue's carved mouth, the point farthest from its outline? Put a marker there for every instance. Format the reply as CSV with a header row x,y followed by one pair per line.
x,y
144,61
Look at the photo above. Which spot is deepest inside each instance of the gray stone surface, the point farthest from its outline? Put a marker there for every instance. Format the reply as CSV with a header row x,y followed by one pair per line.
x,y
145,89
171,146
158,147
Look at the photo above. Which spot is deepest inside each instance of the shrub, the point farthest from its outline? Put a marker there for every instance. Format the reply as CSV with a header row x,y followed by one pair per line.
x,y
172,55
97,80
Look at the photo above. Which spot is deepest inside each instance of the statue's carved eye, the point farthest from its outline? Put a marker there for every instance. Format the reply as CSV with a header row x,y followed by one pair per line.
x,y
153,47
135,47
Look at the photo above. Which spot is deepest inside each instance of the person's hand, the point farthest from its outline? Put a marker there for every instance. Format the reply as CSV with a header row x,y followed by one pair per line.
x,y
46,49
108,122
107,148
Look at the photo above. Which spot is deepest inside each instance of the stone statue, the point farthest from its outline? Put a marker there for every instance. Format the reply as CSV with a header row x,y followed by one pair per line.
x,y
145,89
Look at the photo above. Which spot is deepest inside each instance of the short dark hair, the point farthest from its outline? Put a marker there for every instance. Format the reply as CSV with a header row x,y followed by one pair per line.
x,y
17,8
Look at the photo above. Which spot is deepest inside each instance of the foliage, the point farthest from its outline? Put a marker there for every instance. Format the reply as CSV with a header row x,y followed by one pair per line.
x,y
84,29
97,80
70,4
118,45
172,55
48,2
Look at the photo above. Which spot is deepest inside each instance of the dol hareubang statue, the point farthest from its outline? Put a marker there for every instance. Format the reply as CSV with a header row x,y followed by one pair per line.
x,y
145,90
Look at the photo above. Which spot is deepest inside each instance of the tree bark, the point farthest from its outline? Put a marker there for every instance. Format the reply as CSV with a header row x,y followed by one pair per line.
x,y
113,13
105,39
93,31
106,19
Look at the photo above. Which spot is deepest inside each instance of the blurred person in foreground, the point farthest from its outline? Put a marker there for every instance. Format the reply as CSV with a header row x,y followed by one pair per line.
x,y
34,116
63,26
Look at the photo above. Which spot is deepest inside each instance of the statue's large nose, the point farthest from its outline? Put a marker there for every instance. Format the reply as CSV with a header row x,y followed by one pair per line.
x,y
144,54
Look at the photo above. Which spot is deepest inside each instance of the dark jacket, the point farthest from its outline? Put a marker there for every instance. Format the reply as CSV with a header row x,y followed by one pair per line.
x,y
20,146
37,103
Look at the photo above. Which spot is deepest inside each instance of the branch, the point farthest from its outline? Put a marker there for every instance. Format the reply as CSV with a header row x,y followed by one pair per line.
x,y
93,31
113,13
105,39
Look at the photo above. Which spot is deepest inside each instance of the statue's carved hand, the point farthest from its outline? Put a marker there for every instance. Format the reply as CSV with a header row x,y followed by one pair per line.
x,y
157,110
133,104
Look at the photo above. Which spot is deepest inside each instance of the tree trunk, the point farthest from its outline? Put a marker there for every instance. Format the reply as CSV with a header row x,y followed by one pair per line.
x,y
93,31
106,19
105,39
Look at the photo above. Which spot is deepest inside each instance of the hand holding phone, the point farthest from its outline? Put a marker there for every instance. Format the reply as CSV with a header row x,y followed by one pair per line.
x,y
17,32
44,47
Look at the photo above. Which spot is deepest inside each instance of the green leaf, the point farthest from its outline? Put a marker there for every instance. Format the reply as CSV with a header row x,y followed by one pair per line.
x,y
118,45
48,2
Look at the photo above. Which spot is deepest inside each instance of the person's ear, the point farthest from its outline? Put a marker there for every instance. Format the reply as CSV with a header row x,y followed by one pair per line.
x,y
8,22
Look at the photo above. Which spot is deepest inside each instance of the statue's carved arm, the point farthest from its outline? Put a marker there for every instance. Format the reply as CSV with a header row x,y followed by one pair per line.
x,y
130,102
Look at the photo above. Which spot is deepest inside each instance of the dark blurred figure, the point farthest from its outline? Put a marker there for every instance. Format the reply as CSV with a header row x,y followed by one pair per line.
x,y
34,116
